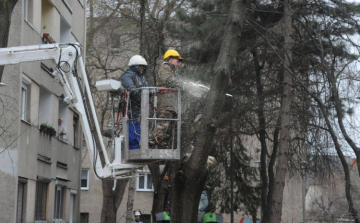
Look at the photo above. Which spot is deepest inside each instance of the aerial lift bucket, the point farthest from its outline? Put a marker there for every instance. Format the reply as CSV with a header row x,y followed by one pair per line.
x,y
147,122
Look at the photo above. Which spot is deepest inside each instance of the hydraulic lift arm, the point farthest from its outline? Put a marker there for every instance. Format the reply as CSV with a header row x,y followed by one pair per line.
x,y
68,59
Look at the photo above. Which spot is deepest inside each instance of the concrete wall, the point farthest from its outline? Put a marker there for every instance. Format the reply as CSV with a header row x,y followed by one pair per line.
x,y
91,200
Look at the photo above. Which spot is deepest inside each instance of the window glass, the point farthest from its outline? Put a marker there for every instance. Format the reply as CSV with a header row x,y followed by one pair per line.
x,y
72,208
21,202
141,182
41,200
59,202
84,217
144,182
146,218
45,107
25,98
28,10
85,179
149,182
75,129
115,40
23,101
63,121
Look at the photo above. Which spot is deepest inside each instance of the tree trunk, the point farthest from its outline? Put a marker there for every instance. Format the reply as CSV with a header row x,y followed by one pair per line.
x,y
271,184
142,37
6,8
130,200
112,199
261,131
340,113
190,177
275,207
159,184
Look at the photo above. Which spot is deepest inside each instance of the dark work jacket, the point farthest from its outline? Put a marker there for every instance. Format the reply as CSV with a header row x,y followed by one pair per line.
x,y
131,80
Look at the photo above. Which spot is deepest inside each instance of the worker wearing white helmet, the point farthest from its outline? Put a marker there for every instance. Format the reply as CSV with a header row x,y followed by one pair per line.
x,y
137,215
134,78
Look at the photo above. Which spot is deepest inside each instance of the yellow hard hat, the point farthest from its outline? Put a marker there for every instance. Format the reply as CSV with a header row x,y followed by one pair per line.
x,y
172,53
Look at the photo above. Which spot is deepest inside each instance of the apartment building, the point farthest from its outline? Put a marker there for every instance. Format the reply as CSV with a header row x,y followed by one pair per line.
x,y
92,197
40,170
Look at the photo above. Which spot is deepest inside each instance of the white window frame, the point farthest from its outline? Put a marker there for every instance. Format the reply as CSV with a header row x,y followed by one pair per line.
x,y
28,3
59,210
87,179
145,175
25,87
26,8
24,95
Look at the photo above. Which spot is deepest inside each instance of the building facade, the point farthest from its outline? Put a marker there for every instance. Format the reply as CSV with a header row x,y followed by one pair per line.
x,y
40,170
92,196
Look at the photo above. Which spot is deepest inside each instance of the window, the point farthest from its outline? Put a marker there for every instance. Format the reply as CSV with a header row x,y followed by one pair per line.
x,y
59,202
25,98
115,40
85,179
21,202
49,21
144,182
41,200
63,124
84,217
65,31
72,205
28,10
24,102
45,106
146,218
75,131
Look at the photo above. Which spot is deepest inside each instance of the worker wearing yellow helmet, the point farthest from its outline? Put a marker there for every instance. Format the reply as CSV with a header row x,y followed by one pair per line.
x,y
167,99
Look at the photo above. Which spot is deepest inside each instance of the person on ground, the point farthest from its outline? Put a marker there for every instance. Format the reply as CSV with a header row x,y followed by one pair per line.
x,y
137,215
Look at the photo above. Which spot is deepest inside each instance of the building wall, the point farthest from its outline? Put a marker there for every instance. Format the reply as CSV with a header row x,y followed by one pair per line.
x,y
30,154
91,199
326,197
9,115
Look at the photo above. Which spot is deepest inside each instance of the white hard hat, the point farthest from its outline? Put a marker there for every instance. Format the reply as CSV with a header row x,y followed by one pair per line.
x,y
137,213
137,60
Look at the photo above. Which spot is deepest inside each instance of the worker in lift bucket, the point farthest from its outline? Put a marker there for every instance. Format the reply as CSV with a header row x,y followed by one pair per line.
x,y
137,215
134,78
167,99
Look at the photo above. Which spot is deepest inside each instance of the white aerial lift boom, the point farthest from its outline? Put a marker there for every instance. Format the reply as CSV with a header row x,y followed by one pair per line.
x,y
68,60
